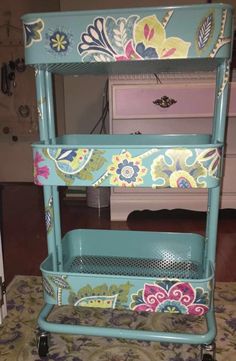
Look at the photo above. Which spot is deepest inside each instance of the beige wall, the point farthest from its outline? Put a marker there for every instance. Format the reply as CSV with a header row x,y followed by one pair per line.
x,y
16,157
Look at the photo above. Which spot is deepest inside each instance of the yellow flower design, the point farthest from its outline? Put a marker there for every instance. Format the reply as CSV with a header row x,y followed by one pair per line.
x,y
150,36
126,171
59,41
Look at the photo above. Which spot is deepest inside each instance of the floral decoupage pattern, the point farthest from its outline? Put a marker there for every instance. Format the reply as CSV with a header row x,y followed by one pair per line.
x,y
131,38
157,167
171,296
138,36
182,168
163,295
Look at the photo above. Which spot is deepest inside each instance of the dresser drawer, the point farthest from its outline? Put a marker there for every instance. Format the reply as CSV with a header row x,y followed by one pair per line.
x,y
192,100
174,126
131,101
162,126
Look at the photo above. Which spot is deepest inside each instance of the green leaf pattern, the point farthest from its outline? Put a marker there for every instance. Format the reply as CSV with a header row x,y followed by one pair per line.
x,y
114,296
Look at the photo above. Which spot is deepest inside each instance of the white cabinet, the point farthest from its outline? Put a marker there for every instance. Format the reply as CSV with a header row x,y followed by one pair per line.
x,y
134,109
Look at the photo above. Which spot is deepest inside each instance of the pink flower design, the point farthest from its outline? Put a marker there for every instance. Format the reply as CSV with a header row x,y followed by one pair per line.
x,y
180,297
42,171
130,53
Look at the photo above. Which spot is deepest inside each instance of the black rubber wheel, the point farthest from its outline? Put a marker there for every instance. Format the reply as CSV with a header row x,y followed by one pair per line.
x,y
43,345
207,357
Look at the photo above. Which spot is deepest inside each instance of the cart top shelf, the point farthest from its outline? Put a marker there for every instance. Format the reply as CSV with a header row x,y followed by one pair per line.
x,y
129,40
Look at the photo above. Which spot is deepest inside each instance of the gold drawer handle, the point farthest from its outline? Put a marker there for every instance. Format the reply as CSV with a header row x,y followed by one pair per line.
x,y
137,132
164,102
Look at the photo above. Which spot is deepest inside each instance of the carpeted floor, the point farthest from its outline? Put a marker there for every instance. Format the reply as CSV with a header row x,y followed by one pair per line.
x,y
18,335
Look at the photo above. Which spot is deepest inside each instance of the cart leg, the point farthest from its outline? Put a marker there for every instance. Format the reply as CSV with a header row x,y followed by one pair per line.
x,y
208,352
43,343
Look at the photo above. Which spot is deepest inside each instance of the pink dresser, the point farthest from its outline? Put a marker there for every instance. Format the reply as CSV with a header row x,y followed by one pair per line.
x,y
143,104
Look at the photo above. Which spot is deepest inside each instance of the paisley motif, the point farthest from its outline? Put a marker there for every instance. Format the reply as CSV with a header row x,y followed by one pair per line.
x,y
97,301
70,161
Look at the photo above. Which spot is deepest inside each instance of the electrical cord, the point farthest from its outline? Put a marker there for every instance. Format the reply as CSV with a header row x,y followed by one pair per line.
x,y
105,109
157,79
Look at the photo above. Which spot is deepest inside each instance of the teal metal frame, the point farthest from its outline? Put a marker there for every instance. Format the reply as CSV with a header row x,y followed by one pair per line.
x,y
45,66
183,338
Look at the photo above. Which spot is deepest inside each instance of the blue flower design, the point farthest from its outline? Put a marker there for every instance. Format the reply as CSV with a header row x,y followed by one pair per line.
x,y
59,41
127,171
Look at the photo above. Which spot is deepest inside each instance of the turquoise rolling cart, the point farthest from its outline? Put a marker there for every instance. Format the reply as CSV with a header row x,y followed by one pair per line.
x,y
142,271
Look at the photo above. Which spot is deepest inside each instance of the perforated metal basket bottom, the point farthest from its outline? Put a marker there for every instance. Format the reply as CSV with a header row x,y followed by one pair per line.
x,y
126,266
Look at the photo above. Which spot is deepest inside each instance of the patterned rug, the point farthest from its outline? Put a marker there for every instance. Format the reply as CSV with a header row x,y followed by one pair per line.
x,y
18,335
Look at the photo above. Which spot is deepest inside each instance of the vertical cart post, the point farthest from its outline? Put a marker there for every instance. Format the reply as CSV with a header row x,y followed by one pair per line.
x,y
218,135
55,194
44,136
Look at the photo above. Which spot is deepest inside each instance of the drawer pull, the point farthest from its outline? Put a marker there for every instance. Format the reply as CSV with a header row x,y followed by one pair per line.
x,y
164,102
137,132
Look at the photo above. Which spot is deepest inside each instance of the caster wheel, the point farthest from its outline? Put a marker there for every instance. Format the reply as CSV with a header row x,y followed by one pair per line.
x,y
43,347
207,357
208,352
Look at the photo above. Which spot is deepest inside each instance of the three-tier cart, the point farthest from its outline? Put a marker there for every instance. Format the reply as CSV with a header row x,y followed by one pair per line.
x,y
158,271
